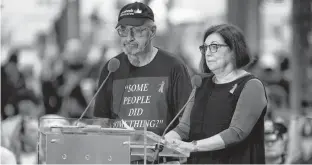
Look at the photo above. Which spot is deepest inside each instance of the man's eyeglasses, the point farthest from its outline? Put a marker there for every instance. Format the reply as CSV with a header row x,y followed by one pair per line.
x,y
135,31
213,48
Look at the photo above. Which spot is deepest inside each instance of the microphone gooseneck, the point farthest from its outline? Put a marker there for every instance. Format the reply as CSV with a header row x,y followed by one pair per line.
x,y
112,66
197,81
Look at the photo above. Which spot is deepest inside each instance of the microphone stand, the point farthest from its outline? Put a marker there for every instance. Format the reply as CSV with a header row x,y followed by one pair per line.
x,y
159,148
113,65
93,98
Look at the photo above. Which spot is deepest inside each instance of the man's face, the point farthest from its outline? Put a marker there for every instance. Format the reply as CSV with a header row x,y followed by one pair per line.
x,y
274,147
134,39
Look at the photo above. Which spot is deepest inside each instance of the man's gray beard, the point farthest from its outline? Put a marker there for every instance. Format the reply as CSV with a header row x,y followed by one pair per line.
x,y
134,60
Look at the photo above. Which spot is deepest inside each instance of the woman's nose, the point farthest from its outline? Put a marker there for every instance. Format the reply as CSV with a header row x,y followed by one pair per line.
x,y
208,53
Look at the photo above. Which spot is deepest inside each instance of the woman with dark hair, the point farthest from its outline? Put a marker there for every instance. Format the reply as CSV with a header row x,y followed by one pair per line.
x,y
225,122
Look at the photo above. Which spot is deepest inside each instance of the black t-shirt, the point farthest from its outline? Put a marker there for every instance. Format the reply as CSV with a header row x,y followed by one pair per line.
x,y
154,92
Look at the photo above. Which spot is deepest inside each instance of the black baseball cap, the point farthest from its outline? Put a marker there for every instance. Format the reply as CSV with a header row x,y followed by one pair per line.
x,y
135,14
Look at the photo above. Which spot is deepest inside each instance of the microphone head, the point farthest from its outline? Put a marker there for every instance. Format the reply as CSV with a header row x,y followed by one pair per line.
x,y
113,65
197,81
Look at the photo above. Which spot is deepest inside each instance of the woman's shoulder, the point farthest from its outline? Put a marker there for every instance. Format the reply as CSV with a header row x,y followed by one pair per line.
x,y
254,82
254,85
249,79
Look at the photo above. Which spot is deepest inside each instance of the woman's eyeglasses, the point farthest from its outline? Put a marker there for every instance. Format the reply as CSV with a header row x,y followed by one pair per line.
x,y
136,31
213,48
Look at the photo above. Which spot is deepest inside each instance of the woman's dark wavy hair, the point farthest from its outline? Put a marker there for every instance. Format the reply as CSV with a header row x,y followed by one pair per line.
x,y
235,39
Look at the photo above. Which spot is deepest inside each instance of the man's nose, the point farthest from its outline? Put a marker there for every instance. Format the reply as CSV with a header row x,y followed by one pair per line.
x,y
130,36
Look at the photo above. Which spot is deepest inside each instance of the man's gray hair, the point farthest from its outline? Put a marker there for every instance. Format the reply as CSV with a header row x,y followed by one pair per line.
x,y
150,23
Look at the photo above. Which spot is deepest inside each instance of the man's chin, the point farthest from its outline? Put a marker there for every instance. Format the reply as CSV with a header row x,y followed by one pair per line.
x,y
130,53
134,59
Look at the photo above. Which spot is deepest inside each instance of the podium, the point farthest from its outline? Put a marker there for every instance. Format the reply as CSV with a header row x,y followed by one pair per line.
x,y
62,141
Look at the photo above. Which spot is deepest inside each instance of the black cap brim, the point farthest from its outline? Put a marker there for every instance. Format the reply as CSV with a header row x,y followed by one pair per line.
x,y
131,22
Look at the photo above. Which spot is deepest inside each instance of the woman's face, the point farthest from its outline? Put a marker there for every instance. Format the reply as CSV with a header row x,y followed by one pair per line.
x,y
218,54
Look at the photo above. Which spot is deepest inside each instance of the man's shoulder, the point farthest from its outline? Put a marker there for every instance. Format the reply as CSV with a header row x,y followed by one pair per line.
x,y
169,57
206,77
120,56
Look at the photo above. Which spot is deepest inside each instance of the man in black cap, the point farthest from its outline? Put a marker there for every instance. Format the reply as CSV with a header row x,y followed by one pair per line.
x,y
150,85
275,142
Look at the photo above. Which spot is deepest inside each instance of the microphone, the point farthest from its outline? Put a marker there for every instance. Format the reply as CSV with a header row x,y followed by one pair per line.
x,y
197,81
112,66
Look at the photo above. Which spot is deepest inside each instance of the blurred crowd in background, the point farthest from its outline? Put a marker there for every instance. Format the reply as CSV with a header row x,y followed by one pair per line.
x,y
52,52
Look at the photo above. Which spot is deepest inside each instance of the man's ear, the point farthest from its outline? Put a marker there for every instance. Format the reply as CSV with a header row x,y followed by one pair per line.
x,y
153,30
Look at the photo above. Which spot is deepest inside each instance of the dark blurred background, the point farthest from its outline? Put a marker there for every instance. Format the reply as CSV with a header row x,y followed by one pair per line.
x,y
52,52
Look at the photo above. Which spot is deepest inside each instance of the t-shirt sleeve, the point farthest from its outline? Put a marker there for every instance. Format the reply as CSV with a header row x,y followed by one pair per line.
x,y
102,103
181,88
249,108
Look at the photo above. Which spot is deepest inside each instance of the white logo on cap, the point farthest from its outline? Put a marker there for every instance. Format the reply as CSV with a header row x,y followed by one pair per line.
x,y
127,12
137,11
